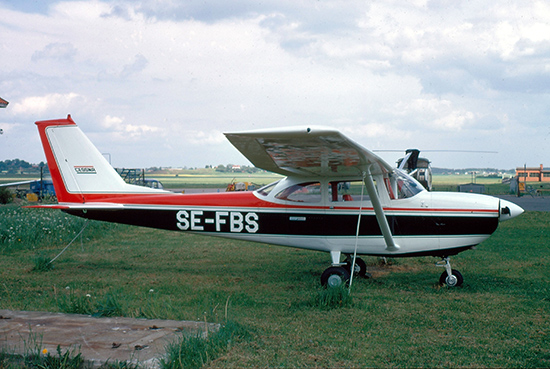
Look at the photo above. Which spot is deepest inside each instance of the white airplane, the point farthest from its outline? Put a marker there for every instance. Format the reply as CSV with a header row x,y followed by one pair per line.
x,y
338,197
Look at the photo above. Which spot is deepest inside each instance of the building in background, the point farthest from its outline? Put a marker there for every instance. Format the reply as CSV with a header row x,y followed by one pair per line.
x,y
533,174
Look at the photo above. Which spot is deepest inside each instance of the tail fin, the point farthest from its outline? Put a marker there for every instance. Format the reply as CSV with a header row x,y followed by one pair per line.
x,y
79,171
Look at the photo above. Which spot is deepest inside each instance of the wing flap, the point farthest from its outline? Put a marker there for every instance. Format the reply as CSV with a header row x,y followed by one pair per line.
x,y
313,151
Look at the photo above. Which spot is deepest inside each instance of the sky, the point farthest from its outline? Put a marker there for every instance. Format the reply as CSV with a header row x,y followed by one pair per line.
x,y
157,82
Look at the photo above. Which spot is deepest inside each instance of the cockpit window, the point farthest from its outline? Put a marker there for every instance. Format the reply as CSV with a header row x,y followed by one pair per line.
x,y
265,190
407,186
303,192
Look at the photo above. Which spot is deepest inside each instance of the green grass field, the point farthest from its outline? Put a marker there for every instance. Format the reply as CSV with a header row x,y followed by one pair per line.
x,y
399,318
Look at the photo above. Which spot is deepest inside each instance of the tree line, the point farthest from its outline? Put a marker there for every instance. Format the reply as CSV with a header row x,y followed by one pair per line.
x,y
17,166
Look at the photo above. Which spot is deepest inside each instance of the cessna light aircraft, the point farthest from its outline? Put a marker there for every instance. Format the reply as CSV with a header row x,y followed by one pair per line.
x,y
337,197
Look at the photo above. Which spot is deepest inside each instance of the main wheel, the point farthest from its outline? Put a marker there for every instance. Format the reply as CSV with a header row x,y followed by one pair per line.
x,y
453,280
335,277
360,268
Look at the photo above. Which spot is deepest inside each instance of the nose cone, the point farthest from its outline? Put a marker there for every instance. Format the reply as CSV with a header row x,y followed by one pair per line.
x,y
508,210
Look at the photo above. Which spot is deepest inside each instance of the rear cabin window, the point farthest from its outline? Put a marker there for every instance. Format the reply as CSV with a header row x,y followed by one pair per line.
x,y
347,191
303,192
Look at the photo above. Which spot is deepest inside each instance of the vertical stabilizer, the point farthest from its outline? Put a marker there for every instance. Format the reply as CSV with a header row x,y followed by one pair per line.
x,y
79,171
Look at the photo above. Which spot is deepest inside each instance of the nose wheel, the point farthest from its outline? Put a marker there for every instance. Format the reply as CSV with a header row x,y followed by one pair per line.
x,y
450,277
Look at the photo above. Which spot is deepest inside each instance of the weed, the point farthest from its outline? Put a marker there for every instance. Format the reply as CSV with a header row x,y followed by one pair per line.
x,y
155,306
109,306
68,360
333,298
34,357
75,304
196,351
42,263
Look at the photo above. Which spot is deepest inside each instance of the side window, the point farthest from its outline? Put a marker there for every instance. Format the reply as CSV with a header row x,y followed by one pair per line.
x,y
341,191
303,192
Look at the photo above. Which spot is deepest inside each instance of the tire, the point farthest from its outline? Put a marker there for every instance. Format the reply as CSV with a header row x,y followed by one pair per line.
x,y
360,267
334,277
451,282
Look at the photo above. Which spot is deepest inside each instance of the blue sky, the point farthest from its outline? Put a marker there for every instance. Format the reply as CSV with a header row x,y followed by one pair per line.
x,y
156,83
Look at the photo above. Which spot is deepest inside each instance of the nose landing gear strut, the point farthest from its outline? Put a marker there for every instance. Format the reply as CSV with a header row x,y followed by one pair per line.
x,y
450,277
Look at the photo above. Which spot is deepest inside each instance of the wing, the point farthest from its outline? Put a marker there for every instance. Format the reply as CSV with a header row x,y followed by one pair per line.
x,y
13,184
314,151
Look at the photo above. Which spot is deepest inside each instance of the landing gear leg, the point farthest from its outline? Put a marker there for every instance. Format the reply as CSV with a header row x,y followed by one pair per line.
x,y
450,277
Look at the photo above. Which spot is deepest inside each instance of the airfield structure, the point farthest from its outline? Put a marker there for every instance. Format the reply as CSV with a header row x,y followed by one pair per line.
x,y
533,174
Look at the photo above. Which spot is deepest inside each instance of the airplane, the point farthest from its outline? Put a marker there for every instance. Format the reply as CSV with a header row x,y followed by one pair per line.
x,y
337,197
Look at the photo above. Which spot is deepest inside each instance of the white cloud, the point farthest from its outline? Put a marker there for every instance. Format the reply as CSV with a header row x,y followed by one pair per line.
x,y
36,105
120,129
173,75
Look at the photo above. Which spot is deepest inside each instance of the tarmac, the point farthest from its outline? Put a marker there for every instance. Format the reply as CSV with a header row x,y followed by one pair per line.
x,y
99,340
529,203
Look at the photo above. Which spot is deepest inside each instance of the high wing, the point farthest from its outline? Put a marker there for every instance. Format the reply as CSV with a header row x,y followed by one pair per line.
x,y
314,151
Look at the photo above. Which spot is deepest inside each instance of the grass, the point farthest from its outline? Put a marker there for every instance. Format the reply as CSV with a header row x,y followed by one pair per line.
x,y
196,351
400,318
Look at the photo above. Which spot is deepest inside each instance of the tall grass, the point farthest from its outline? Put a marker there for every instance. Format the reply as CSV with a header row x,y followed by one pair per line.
x,y
41,229
197,351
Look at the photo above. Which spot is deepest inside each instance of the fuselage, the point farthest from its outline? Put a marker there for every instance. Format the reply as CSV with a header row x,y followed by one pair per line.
x,y
306,213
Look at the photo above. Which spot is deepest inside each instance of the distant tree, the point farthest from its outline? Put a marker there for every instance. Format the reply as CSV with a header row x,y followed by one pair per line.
x,y
15,165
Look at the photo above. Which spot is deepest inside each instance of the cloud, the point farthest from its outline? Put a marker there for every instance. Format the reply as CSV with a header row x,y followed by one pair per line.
x,y
40,105
136,66
126,131
173,75
55,51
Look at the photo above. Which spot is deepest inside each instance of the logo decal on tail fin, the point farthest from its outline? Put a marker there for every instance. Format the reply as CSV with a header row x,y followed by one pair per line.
x,y
85,169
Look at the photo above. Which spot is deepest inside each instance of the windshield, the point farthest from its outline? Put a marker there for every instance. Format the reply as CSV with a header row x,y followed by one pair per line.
x,y
406,185
265,190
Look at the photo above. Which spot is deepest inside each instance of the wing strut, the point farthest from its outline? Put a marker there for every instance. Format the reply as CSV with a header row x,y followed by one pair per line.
x,y
379,212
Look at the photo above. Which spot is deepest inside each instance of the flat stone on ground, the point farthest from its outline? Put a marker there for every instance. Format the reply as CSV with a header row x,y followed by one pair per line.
x,y
99,340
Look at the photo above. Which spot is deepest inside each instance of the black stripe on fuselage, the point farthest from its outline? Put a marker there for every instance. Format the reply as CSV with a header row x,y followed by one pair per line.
x,y
298,224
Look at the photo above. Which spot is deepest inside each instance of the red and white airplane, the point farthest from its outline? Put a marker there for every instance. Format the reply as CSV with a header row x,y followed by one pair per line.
x,y
337,197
